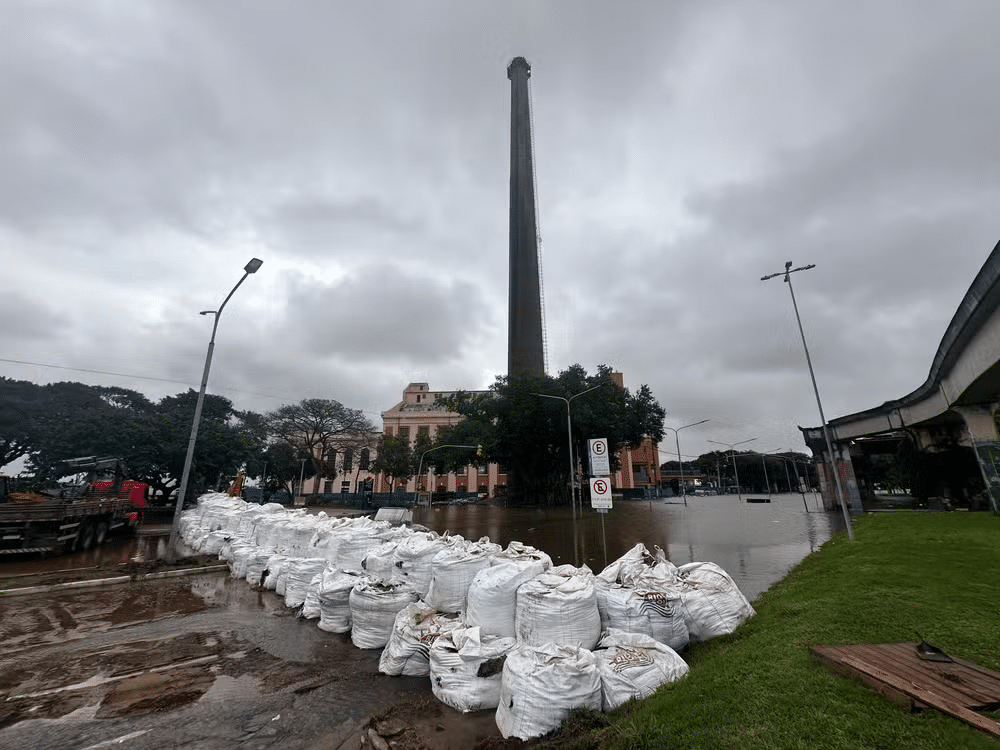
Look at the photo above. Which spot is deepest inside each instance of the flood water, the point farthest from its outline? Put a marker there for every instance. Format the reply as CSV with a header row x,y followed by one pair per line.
x,y
756,543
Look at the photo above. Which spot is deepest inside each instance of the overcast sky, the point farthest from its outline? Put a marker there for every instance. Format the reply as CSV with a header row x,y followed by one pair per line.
x,y
150,148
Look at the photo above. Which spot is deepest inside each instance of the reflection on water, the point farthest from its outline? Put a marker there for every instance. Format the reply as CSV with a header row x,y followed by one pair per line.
x,y
756,543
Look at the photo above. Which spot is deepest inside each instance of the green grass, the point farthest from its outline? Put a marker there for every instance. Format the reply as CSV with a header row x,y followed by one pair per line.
x,y
933,573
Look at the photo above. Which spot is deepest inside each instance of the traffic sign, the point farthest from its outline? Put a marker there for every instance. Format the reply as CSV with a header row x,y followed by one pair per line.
x,y
600,493
600,464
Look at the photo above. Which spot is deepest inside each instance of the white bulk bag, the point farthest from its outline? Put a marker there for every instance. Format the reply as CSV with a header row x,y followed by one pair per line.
x,y
274,564
453,570
466,668
518,552
256,565
713,604
633,665
358,540
412,559
373,610
334,594
300,573
310,607
542,684
378,563
637,562
492,597
652,605
559,606
416,627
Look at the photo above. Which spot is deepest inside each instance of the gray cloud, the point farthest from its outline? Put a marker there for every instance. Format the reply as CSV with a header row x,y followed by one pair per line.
x,y
360,149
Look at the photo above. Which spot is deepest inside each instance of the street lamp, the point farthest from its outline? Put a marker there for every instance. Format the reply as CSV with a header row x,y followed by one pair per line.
x,y
569,438
732,447
826,433
680,463
250,268
420,467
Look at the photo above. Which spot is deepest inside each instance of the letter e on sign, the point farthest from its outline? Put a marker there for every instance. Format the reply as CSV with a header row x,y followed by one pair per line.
x,y
600,493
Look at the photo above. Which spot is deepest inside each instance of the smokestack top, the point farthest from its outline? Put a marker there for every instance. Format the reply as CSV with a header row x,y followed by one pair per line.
x,y
518,62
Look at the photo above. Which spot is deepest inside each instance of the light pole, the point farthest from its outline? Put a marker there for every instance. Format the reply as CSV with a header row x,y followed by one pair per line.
x,y
826,433
302,478
250,268
732,447
569,438
680,463
420,467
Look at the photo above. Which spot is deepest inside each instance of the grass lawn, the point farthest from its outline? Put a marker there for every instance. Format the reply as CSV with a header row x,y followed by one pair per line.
x,y
933,573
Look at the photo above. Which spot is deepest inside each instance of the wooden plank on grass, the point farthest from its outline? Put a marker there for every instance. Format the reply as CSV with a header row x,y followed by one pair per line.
x,y
885,682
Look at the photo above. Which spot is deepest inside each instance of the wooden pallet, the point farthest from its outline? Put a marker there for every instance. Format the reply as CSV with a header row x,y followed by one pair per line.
x,y
958,688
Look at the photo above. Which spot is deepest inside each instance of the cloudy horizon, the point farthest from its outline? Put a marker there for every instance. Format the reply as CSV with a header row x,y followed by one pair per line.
x,y
361,150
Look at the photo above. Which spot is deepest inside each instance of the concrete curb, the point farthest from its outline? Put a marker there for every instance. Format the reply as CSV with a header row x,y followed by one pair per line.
x,y
69,585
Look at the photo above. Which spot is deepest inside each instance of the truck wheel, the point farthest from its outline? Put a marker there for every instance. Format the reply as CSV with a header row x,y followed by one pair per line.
x,y
87,534
102,533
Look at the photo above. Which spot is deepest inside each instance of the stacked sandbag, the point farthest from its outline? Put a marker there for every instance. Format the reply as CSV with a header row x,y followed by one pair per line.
x,y
453,570
300,574
466,667
523,553
358,540
269,576
633,665
311,607
491,603
414,630
541,685
334,595
558,606
713,604
374,606
327,537
413,556
256,565
637,562
239,555
379,563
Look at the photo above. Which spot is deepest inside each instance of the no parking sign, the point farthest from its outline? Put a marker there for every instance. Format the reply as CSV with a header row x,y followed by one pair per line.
x,y
600,493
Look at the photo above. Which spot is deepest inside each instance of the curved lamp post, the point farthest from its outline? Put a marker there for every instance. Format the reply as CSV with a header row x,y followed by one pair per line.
x,y
680,463
250,268
732,447
841,495
420,467
569,438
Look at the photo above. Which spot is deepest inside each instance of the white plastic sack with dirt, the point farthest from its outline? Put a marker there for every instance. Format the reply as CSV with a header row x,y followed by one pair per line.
x,y
466,668
334,594
453,570
633,665
651,605
374,606
416,628
491,602
713,604
559,606
542,684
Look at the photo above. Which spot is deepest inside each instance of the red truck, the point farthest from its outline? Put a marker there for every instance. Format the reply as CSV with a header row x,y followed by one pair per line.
x,y
70,518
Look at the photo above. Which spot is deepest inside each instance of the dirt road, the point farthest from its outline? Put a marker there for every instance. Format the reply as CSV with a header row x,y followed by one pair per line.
x,y
201,662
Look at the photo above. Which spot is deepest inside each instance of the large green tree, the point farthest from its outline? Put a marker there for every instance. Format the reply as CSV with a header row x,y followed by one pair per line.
x,y
394,459
321,428
525,432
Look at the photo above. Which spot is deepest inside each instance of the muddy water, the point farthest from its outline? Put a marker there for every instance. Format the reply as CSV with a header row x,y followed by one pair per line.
x,y
756,543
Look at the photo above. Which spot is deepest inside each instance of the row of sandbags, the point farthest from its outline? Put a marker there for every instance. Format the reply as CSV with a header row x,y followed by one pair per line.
x,y
491,627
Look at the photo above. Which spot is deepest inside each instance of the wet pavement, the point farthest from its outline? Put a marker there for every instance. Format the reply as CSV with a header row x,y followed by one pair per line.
x,y
207,662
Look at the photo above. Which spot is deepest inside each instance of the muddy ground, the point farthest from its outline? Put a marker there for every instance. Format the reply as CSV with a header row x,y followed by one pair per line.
x,y
203,662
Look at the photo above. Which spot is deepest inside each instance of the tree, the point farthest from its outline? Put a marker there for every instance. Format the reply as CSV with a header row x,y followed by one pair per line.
x,y
284,464
394,459
526,433
321,428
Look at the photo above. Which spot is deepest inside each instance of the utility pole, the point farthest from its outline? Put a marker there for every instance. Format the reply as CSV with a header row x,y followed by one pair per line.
x,y
841,495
